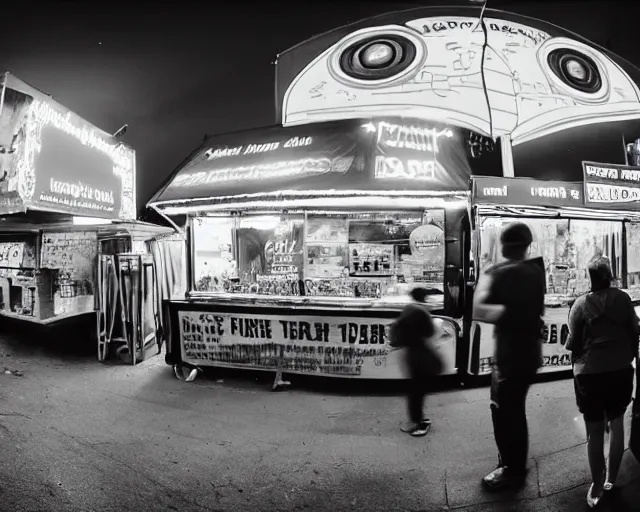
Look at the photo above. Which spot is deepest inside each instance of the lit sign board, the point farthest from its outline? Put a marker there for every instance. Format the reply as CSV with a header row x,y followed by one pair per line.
x,y
611,186
267,156
526,192
353,155
405,151
62,163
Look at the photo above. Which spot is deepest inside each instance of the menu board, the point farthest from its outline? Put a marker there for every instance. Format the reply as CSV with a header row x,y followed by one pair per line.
x,y
73,254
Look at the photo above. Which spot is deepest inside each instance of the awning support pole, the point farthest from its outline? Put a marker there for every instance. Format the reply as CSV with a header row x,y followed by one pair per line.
x,y
173,224
507,156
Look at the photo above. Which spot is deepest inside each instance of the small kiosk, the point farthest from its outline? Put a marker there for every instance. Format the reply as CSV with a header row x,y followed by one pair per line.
x,y
571,223
304,241
67,196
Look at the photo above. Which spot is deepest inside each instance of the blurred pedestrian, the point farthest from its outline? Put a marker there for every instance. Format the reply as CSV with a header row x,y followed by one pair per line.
x,y
603,340
510,295
415,331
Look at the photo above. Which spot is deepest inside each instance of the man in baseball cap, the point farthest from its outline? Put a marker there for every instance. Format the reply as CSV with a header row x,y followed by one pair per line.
x,y
510,295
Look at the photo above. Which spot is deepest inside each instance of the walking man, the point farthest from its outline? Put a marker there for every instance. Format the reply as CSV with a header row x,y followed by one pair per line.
x,y
510,295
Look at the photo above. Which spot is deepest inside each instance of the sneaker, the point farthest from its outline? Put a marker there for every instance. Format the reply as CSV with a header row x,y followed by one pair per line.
x,y
409,427
417,429
422,430
500,478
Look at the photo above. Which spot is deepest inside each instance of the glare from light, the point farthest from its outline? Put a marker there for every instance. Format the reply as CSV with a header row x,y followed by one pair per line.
x,y
90,221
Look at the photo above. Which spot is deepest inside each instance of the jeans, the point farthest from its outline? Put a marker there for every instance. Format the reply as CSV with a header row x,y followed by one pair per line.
x,y
508,412
416,396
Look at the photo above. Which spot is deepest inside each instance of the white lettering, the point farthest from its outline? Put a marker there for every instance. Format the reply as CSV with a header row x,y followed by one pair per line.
x,y
550,192
261,148
219,153
495,191
601,193
630,174
408,137
602,172
80,191
260,171
391,168
297,142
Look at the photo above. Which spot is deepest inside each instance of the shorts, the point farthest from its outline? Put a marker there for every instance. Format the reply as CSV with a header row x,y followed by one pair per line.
x,y
604,395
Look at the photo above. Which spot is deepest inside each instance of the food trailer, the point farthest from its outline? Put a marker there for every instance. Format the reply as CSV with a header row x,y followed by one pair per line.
x,y
67,199
303,243
549,97
571,223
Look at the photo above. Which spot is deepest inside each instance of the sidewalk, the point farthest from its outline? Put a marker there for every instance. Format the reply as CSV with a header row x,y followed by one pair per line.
x,y
79,436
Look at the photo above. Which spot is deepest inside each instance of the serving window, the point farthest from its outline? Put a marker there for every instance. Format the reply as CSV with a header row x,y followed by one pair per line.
x,y
566,246
370,255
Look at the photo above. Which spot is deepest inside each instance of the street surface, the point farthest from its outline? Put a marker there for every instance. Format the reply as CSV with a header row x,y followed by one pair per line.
x,y
76,435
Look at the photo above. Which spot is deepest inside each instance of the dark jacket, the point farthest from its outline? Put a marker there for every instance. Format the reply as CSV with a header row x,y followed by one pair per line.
x,y
411,331
603,331
520,287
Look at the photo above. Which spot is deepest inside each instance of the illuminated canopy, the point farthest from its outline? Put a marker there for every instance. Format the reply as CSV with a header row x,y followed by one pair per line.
x,y
363,155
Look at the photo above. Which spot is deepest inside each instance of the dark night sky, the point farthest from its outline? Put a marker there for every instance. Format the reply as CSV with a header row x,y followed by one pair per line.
x,y
176,71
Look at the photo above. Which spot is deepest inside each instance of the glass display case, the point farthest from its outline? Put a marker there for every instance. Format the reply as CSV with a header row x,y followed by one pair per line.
x,y
373,256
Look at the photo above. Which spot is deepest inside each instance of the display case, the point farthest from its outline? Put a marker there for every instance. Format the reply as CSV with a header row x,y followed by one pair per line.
x,y
324,257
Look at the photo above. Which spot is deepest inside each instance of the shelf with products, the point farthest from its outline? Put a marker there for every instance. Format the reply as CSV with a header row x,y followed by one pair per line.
x,y
356,255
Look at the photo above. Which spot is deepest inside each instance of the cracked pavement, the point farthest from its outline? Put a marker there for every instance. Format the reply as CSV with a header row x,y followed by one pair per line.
x,y
76,435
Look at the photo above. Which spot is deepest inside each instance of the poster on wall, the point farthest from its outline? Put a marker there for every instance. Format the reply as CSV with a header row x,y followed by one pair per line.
x,y
73,254
12,255
61,163
329,346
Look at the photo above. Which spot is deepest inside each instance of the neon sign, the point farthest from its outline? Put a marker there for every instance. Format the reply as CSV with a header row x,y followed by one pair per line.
x,y
392,168
259,171
400,136
44,114
251,149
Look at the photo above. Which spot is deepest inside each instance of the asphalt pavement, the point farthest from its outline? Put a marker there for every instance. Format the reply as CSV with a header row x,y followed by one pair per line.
x,y
77,435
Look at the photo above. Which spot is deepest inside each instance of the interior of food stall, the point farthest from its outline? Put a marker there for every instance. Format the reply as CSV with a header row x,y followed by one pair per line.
x,y
48,270
375,255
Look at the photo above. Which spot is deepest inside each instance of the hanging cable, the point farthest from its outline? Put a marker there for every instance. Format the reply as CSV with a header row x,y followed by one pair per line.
x,y
482,24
